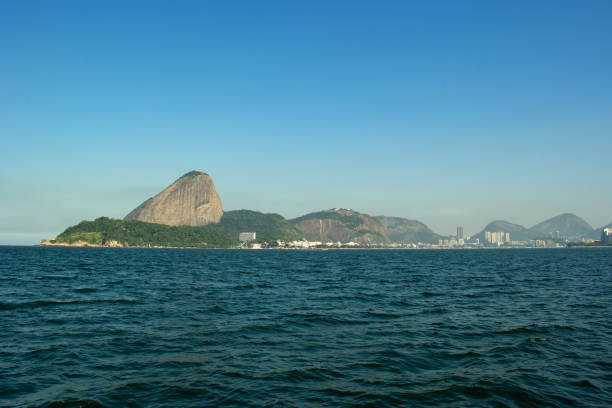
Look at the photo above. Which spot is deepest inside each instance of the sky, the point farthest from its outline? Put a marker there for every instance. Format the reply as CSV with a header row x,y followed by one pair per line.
x,y
451,113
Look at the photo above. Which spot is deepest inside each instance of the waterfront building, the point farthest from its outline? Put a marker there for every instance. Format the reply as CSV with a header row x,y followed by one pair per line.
x,y
247,236
497,237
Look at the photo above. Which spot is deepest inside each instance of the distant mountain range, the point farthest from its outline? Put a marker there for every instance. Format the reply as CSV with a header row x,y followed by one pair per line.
x,y
565,226
189,213
517,232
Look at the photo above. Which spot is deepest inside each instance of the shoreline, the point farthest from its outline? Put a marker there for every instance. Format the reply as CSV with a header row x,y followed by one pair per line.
x,y
65,245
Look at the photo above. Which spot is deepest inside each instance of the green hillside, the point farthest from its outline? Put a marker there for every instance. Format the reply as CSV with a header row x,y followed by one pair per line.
x,y
269,227
140,234
405,230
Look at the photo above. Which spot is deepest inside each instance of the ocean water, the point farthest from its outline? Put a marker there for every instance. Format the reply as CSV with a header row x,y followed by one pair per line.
x,y
96,327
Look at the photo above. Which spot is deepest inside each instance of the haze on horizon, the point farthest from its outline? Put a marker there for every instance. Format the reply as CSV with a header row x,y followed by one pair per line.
x,y
451,113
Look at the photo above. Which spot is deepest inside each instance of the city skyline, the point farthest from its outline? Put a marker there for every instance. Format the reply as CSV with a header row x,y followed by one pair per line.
x,y
451,114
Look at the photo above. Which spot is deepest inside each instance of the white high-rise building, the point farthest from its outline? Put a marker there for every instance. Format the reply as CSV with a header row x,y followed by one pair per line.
x,y
497,237
606,235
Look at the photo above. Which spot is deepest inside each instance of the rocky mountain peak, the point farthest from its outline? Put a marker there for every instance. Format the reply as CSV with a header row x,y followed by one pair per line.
x,y
190,200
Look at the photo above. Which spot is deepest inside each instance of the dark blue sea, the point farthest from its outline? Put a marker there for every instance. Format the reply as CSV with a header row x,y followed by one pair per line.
x,y
93,327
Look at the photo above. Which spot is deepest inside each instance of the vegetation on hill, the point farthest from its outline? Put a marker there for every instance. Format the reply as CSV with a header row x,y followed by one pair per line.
x,y
103,230
341,225
408,231
268,227
332,225
349,220
192,174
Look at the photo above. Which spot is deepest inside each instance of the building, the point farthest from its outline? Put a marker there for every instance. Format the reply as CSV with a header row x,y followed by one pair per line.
x,y
606,235
497,237
247,236
459,232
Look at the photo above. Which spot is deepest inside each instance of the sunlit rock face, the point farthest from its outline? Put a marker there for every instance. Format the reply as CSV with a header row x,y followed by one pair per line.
x,y
190,200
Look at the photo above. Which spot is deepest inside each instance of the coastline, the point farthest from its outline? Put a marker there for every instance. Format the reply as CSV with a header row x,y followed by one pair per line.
x,y
88,245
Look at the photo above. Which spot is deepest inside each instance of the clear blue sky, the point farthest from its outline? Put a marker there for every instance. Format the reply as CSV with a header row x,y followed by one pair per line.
x,y
453,113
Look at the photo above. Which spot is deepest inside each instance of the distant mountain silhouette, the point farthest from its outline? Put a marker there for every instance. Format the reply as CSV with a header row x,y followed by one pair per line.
x,y
596,234
517,232
569,226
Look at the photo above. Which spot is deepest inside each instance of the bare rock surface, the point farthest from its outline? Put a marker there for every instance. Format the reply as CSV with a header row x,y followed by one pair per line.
x,y
190,200
341,225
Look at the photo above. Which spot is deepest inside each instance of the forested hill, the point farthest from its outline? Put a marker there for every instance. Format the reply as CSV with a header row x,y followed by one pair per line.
x,y
108,231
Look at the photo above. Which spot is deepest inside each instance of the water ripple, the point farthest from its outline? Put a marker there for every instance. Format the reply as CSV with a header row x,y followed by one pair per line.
x,y
93,327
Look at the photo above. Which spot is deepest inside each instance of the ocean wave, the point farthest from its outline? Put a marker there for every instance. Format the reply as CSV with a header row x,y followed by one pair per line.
x,y
195,328
80,403
523,330
47,303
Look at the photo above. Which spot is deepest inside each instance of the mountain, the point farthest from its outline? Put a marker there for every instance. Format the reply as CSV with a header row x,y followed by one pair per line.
x,y
596,234
190,200
407,231
517,232
268,227
341,225
568,225
110,232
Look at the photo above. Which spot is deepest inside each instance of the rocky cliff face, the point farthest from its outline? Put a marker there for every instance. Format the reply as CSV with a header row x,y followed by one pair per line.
x,y
341,225
190,200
